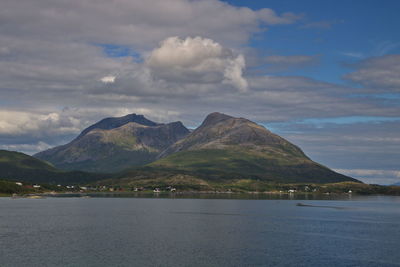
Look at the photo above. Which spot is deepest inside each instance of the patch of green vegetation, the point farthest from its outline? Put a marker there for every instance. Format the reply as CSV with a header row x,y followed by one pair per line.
x,y
226,164
121,159
7,188
119,139
20,167
191,183
22,160
179,181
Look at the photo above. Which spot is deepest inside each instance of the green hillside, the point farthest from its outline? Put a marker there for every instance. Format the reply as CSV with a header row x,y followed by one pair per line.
x,y
18,166
217,164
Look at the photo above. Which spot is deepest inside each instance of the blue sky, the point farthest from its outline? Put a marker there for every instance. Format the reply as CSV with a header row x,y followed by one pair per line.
x,y
323,74
339,31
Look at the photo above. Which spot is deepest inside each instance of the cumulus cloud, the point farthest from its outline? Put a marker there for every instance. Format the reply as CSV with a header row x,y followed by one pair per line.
x,y
57,49
378,72
108,79
198,60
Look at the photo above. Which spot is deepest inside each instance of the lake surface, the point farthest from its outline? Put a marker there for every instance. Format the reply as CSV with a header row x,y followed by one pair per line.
x,y
199,232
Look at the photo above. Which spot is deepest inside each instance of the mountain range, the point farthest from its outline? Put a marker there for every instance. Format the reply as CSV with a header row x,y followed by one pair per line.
x,y
221,148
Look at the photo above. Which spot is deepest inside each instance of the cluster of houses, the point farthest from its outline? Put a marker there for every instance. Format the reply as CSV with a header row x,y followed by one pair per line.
x,y
167,189
308,189
118,189
289,190
28,186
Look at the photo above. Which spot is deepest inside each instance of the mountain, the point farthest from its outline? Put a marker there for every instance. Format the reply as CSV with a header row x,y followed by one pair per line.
x,y
225,147
114,144
396,184
21,167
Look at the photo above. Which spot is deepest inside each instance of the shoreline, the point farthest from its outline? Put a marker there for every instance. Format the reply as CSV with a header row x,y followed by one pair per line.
x,y
201,195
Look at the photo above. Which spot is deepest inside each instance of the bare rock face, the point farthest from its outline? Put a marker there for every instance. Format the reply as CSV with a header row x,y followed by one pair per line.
x,y
112,123
114,144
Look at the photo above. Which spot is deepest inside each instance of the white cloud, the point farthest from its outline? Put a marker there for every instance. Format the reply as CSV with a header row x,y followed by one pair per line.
x,y
198,60
354,54
378,72
135,22
27,148
269,16
22,123
373,176
108,79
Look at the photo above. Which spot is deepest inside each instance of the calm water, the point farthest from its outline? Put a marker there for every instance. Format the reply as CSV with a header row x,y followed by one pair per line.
x,y
199,232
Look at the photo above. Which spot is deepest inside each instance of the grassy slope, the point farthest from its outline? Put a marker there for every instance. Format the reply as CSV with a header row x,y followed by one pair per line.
x,y
121,159
20,167
22,160
216,164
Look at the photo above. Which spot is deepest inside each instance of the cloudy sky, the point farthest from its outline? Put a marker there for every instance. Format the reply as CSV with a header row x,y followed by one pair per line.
x,y
323,74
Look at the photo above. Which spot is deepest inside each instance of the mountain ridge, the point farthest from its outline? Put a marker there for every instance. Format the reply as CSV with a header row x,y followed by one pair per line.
x,y
115,122
113,144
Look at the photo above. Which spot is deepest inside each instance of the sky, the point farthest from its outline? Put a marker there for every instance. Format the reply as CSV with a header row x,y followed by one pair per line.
x,y
323,74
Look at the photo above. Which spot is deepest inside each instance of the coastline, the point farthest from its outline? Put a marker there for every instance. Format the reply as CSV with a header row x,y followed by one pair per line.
x,y
201,195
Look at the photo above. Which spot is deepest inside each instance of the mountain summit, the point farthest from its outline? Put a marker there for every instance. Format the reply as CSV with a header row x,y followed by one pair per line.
x,y
115,122
225,147
220,131
114,144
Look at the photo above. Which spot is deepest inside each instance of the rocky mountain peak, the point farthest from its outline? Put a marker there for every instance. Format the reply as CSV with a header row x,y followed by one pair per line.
x,y
115,122
214,118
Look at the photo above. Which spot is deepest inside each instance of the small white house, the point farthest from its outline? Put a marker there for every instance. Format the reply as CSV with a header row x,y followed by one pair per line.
x,y
36,186
18,183
292,190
